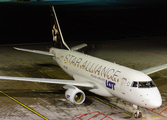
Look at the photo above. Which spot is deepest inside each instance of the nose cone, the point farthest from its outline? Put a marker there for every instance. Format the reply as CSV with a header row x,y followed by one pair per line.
x,y
155,101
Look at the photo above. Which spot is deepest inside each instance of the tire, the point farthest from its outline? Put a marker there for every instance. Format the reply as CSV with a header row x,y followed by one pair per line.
x,y
140,115
135,115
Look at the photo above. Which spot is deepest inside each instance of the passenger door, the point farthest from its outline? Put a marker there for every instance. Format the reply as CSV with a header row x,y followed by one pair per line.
x,y
123,84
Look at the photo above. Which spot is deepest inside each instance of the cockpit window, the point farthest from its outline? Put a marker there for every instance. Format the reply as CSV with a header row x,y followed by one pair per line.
x,y
134,84
147,84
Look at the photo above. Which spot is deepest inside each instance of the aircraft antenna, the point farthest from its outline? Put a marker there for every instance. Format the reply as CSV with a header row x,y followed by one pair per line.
x,y
59,28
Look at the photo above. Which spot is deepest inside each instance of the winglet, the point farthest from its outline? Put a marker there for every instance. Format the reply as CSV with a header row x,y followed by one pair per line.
x,y
78,47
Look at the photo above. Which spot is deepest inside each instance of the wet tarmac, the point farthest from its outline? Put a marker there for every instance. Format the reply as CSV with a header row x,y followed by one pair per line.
x,y
37,101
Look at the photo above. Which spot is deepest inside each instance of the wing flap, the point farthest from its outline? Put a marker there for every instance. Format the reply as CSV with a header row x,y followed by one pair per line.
x,y
154,69
53,81
35,51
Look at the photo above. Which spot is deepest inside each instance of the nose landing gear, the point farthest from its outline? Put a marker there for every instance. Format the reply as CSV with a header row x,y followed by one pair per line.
x,y
138,113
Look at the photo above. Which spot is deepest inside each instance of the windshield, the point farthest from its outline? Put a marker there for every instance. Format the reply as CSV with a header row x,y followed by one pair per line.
x,y
146,84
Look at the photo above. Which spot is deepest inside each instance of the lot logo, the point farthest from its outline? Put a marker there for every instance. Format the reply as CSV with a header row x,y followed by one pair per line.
x,y
110,84
68,96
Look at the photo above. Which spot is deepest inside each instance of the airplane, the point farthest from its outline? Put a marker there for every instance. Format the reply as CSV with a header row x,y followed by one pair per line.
x,y
101,77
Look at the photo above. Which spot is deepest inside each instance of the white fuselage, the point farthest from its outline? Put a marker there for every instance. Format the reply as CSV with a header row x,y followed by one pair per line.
x,y
110,78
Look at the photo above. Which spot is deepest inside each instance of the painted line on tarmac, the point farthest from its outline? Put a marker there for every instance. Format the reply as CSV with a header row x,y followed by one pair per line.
x,y
163,110
40,71
8,55
129,113
28,65
155,54
23,62
156,113
24,106
15,58
99,99
116,107
31,66
17,100
95,115
37,69
50,75
113,105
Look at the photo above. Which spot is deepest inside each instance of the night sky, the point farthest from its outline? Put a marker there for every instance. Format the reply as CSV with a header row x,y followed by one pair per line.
x,y
27,22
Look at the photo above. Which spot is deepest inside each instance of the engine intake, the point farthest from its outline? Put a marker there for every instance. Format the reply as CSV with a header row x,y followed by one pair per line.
x,y
75,96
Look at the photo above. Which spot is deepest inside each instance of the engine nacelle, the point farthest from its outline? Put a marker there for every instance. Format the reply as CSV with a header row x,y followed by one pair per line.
x,y
75,95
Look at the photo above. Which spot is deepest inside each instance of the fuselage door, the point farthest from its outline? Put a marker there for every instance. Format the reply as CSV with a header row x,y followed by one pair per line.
x,y
123,84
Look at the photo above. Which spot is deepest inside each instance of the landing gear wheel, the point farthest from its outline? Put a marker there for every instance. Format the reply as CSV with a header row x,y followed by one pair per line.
x,y
139,115
135,115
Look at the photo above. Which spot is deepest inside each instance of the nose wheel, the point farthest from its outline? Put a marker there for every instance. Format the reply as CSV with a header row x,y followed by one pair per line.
x,y
138,113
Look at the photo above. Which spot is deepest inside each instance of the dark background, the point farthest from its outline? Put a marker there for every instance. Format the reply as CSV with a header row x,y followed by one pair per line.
x,y
30,22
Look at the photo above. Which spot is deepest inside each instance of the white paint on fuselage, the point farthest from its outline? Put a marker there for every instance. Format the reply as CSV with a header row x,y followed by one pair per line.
x,y
110,78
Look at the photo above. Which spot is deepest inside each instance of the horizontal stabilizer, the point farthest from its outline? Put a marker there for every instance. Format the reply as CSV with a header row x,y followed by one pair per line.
x,y
154,69
78,47
53,81
35,51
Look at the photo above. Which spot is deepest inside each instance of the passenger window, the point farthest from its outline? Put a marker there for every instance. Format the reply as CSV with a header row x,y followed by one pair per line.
x,y
134,84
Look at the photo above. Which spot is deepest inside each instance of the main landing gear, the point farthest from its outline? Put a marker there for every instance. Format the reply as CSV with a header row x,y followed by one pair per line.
x,y
138,113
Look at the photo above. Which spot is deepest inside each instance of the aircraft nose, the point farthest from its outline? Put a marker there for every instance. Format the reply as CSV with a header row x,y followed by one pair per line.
x,y
155,102
153,99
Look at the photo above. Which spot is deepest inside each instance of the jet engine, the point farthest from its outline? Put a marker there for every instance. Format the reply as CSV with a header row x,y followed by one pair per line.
x,y
75,95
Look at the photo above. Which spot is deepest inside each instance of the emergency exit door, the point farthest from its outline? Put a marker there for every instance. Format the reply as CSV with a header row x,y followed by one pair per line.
x,y
123,84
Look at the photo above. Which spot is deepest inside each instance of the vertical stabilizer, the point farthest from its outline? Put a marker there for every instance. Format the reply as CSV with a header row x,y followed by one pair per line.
x,y
59,30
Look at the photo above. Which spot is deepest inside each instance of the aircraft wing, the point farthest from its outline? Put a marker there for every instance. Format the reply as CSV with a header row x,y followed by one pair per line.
x,y
35,51
78,47
154,69
53,81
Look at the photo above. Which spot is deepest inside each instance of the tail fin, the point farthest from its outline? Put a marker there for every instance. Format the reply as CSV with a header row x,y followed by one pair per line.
x,y
56,32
